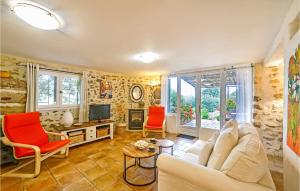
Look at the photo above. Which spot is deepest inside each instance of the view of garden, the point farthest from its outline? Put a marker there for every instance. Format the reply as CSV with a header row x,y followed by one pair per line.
x,y
210,104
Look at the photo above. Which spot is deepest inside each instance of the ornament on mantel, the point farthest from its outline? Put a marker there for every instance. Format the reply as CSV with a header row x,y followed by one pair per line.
x,y
67,118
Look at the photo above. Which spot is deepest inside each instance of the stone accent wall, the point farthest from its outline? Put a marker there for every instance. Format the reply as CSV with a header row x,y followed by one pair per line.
x,y
13,90
268,106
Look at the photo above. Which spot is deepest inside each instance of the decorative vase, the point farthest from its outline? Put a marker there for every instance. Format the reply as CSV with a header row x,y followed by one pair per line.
x,y
67,119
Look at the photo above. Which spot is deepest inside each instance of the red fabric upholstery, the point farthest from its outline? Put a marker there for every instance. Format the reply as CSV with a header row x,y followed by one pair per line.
x,y
48,147
156,117
26,128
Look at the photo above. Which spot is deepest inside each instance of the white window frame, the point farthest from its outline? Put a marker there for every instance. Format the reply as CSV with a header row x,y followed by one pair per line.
x,y
60,76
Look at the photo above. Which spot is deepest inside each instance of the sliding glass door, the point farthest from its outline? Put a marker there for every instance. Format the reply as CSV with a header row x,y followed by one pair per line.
x,y
208,99
210,96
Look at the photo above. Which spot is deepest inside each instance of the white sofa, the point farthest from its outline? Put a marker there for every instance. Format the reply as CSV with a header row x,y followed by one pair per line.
x,y
235,160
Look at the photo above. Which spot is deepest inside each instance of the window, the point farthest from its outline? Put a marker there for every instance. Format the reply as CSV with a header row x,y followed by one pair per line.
x,y
172,94
47,89
57,89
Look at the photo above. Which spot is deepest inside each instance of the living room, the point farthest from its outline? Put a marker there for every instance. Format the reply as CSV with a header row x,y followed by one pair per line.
x,y
113,95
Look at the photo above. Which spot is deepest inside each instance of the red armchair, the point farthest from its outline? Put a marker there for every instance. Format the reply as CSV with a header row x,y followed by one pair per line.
x,y
28,138
155,121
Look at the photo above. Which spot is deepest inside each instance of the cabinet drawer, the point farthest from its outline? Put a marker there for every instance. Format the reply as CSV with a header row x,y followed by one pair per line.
x,y
90,133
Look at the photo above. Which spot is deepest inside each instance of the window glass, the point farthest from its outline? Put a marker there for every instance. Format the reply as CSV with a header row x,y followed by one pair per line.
x,y
172,94
57,89
70,91
47,85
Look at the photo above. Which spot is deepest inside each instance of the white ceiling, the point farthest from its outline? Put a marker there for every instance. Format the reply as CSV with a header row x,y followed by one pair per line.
x,y
187,34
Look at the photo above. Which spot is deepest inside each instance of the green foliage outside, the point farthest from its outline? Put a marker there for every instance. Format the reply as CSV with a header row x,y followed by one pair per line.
x,y
210,102
204,113
210,99
231,105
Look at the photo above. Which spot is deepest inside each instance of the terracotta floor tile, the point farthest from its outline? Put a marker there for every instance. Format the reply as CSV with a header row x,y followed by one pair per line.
x,y
63,169
81,185
119,186
105,181
7,182
95,172
69,178
43,183
85,165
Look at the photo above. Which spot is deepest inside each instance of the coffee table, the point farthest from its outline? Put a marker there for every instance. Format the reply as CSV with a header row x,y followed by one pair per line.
x,y
165,143
132,152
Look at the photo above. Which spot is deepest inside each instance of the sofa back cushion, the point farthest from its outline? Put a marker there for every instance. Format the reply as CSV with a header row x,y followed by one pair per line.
x,y
247,161
227,139
202,149
246,128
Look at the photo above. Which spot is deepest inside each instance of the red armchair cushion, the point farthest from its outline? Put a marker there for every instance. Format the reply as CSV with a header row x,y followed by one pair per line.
x,y
156,117
48,147
26,128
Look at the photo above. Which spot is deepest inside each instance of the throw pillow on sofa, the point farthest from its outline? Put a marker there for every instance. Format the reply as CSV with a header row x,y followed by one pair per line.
x,y
246,128
247,161
230,124
227,139
202,149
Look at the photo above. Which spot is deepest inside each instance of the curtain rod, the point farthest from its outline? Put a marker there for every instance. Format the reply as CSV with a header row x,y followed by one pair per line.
x,y
78,73
54,70
213,69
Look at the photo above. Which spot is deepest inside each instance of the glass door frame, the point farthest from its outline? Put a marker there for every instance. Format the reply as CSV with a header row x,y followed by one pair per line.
x,y
185,129
198,75
222,95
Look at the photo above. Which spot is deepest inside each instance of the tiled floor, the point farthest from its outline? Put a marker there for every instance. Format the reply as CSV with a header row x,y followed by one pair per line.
x,y
94,166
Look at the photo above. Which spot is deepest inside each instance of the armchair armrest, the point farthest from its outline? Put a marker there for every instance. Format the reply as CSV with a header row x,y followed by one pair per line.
x,y
6,141
202,177
57,134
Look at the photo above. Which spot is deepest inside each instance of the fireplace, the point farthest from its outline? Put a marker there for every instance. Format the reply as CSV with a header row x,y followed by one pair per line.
x,y
135,119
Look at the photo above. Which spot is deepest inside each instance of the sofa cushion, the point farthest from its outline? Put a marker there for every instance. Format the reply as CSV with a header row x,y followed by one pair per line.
x,y
232,123
227,139
202,149
246,128
247,161
190,157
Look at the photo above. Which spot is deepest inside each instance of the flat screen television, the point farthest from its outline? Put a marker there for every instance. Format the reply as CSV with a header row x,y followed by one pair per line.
x,y
99,112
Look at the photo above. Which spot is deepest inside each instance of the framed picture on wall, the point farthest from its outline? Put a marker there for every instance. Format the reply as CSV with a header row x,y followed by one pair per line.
x,y
293,131
105,89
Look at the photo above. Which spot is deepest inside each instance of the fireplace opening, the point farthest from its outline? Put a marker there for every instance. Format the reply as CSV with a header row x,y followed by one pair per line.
x,y
136,119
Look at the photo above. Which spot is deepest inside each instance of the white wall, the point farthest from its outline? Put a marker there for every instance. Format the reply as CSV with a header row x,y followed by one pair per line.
x,y
291,160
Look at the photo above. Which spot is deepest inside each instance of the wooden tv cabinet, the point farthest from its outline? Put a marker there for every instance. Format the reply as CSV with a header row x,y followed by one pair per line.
x,y
87,132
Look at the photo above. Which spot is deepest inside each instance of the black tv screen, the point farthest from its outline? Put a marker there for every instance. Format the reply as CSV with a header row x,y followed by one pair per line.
x,y
99,112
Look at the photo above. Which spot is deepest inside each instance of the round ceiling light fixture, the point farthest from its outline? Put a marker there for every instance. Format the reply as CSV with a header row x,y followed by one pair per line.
x,y
36,15
146,57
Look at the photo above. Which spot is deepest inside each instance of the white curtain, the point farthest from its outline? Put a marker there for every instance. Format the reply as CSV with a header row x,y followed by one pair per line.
x,y
164,91
244,95
83,110
31,77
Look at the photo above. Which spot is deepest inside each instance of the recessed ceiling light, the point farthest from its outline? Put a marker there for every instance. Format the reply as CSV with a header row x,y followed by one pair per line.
x,y
146,57
36,15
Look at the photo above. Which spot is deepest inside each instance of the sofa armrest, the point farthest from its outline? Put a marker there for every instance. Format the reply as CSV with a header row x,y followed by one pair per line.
x,y
203,177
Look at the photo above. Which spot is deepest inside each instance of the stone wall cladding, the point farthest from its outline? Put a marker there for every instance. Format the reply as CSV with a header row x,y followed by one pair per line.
x,y
13,90
268,107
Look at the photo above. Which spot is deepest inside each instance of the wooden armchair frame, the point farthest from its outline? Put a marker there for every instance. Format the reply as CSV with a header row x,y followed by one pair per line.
x,y
162,130
38,157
